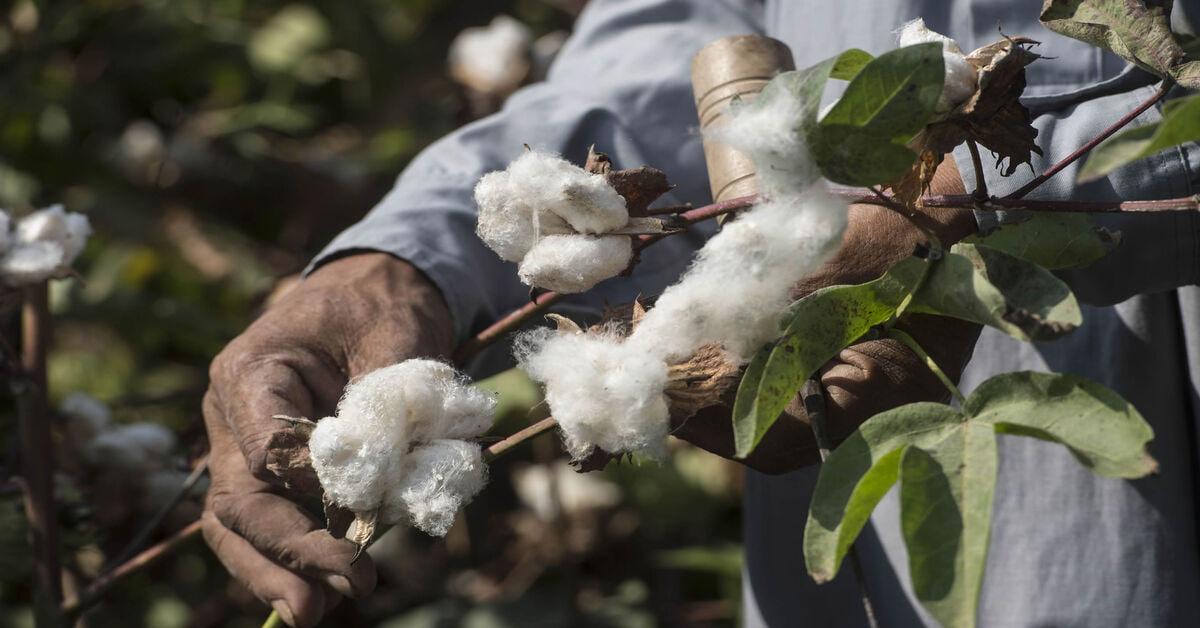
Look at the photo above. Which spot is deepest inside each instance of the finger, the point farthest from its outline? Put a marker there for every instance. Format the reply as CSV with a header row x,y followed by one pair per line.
x,y
298,601
278,527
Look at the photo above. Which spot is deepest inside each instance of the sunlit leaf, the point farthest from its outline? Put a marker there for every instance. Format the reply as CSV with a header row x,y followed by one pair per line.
x,y
861,140
991,287
1180,124
1104,432
1052,240
814,330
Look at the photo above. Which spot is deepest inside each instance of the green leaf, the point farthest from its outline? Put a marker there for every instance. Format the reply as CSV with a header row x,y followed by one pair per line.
x,y
947,466
859,472
946,495
1180,124
1137,30
849,63
991,287
814,330
747,429
1052,240
861,141
1104,432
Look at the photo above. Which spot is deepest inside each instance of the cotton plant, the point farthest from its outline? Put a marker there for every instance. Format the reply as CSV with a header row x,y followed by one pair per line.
x,y
42,246
609,390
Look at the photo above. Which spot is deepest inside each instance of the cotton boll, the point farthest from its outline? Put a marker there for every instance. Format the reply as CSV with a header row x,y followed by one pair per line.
x,y
505,219
740,282
86,417
30,263
586,201
444,476
467,411
46,225
574,263
549,490
961,78
353,459
493,58
603,392
78,229
767,131
134,447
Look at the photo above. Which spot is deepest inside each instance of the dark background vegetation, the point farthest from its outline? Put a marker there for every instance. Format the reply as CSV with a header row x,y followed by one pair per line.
x,y
216,146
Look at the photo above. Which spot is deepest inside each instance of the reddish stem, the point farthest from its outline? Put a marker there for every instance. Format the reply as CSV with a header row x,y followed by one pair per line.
x,y
101,586
37,456
968,201
1083,150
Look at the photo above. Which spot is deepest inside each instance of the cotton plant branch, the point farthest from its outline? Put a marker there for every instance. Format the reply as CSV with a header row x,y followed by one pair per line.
x,y
37,460
96,591
156,520
968,201
515,319
1103,135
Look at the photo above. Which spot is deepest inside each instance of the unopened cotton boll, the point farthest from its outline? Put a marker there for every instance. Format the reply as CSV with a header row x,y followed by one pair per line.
x,y
961,78
741,280
443,476
134,447
574,263
603,392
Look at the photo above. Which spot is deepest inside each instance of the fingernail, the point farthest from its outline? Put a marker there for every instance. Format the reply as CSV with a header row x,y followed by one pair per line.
x,y
285,612
341,584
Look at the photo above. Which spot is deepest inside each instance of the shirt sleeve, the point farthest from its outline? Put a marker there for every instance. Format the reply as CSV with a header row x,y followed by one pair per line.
x,y
622,83
1158,251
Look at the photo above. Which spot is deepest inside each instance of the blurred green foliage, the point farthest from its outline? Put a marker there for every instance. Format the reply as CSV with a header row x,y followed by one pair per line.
x,y
216,145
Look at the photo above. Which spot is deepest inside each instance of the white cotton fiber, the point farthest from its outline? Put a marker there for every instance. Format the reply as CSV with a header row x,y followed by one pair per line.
x,y
766,130
364,456
542,197
46,241
30,263
571,264
133,447
602,391
492,57
961,78
740,282
443,476
86,417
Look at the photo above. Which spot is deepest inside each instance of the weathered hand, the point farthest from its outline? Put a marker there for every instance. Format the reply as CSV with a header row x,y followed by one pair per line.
x,y
351,316
871,376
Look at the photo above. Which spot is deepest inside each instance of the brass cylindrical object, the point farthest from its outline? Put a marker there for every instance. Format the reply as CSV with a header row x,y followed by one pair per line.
x,y
734,66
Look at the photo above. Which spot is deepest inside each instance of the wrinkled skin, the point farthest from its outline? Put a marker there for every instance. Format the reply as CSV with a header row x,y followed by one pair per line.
x,y
369,310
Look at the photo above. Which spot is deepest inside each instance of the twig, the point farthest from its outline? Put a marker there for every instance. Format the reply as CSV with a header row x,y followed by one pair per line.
x,y
502,447
814,407
148,529
912,343
546,300
981,190
908,214
37,456
101,586
1083,150
968,201
668,209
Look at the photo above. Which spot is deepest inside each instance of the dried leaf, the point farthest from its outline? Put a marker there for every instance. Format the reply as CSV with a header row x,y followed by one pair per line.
x,y
993,116
337,518
639,186
288,458
564,324
596,461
